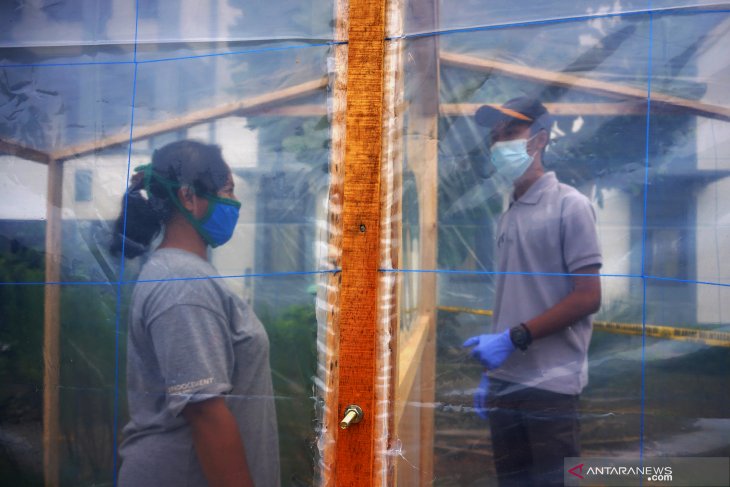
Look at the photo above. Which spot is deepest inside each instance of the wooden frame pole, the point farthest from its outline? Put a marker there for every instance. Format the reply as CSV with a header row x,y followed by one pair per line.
x,y
355,450
417,351
52,324
424,122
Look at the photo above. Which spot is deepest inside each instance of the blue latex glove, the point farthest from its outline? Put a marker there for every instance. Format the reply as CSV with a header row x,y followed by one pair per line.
x,y
480,397
491,350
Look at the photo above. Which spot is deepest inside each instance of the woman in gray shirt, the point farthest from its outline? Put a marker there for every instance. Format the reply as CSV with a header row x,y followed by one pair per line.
x,y
199,387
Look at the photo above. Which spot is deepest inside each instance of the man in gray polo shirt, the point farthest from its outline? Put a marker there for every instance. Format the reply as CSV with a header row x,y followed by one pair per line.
x,y
548,259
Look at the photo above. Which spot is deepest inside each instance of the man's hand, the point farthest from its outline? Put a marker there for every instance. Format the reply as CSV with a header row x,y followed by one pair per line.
x,y
480,397
491,350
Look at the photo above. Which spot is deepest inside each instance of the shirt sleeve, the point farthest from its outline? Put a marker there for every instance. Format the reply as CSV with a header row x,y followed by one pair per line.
x,y
194,352
580,239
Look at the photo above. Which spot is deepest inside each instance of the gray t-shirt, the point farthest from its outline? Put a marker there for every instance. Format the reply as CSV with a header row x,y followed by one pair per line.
x,y
549,232
191,339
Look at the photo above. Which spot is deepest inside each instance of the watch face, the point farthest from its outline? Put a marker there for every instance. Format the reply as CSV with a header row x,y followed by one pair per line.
x,y
519,337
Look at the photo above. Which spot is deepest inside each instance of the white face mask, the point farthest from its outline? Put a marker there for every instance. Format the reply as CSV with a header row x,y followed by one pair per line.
x,y
510,158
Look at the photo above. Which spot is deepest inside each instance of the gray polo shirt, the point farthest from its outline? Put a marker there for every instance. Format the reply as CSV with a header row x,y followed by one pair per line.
x,y
191,340
551,229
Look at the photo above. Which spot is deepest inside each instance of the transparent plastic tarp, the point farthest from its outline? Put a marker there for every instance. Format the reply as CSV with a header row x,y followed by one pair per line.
x,y
119,24
639,129
87,95
476,14
639,137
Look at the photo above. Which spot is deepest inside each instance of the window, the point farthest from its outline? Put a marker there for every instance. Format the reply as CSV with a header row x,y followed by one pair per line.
x,y
82,185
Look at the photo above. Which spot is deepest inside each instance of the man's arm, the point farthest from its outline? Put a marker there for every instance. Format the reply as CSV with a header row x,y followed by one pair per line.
x,y
218,443
585,299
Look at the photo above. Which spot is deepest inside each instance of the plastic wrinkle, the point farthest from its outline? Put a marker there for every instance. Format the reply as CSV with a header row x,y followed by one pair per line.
x,y
397,452
390,171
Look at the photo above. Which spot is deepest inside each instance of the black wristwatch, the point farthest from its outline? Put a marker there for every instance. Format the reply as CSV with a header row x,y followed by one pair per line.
x,y
520,336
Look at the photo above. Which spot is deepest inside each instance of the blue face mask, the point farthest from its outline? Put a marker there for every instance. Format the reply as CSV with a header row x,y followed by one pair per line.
x,y
218,224
510,158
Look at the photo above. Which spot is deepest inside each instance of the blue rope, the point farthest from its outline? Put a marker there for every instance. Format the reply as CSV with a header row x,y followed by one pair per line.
x,y
244,51
501,273
490,273
176,58
134,281
56,65
335,271
240,276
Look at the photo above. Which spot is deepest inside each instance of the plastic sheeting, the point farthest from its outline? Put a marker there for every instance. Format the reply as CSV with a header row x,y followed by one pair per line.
x,y
100,86
481,14
638,95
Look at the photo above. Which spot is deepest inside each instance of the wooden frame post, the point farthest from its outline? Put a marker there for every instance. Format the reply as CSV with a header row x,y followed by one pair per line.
x,y
423,150
417,351
52,323
358,371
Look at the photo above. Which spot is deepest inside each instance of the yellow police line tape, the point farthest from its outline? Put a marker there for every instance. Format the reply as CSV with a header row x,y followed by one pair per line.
x,y
707,337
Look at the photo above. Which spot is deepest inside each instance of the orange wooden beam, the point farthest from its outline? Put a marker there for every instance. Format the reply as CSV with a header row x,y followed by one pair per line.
x,y
355,450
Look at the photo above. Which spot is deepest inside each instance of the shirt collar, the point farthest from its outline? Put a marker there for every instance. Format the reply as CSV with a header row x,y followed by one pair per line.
x,y
534,193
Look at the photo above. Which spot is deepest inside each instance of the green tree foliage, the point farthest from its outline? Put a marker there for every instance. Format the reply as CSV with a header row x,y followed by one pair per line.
x,y
21,333
87,359
292,336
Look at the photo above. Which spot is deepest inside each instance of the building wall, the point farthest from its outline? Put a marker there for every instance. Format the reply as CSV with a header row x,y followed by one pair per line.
x,y
713,206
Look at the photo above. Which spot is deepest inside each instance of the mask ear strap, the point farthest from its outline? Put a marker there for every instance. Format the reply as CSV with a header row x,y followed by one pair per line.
x,y
146,170
147,173
170,187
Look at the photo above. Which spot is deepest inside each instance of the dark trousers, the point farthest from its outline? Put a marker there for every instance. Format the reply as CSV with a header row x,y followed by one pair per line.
x,y
533,430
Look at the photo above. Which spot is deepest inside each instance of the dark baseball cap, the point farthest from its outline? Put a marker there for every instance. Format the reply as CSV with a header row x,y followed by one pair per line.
x,y
522,109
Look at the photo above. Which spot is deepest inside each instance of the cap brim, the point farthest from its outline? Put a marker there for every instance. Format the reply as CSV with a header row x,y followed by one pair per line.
x,y
490,115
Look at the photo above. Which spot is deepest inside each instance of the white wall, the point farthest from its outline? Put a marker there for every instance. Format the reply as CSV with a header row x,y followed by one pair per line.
x,y
22,189
614,235
713,203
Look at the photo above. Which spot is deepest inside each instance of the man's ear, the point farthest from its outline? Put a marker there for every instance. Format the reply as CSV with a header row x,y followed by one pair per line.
x,y
540,140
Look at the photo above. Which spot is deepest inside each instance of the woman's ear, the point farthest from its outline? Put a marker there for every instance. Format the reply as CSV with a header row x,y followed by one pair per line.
x,y
186,196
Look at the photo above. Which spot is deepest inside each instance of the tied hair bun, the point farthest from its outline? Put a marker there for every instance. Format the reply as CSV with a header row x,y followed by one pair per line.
x,y
137,182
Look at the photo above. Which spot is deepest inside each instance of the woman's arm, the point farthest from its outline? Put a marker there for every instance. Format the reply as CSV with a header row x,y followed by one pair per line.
x,y
218,443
